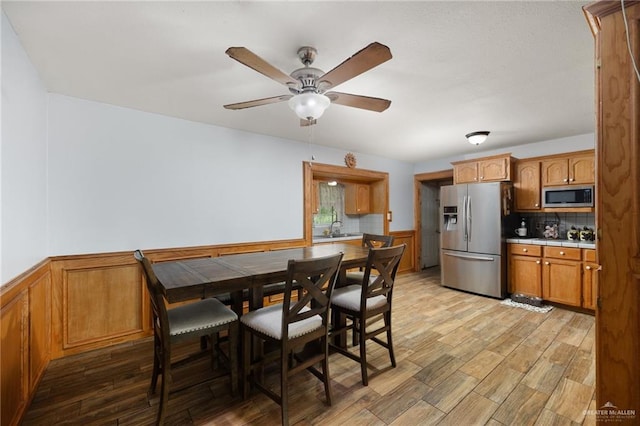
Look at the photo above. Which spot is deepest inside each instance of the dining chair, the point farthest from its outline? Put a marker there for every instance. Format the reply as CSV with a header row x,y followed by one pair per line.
x,y
368,241
365,304
203,318
297,329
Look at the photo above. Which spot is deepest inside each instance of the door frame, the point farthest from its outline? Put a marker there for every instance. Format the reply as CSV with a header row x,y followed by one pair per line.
x,y
429,177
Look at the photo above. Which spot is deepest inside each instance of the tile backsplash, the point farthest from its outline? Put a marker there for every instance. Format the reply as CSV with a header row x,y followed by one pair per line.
x,y
369,223
538,221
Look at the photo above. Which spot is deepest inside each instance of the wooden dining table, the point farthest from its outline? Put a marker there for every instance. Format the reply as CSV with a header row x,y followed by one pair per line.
x,y
206,277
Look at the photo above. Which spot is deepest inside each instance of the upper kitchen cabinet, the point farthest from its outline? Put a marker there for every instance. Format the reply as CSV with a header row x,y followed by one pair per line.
x,y
489,169
527,185
357,199
577,169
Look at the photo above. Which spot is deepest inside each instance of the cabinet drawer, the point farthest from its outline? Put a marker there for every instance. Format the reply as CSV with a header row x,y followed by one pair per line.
x,y
588,255
525,249
567,253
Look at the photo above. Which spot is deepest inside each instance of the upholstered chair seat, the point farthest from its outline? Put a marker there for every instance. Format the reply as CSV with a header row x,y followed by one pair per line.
x,y
296,330
198,317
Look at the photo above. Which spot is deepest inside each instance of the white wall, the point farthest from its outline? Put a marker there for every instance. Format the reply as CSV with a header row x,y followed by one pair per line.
x,y
550,147
121,179
22,161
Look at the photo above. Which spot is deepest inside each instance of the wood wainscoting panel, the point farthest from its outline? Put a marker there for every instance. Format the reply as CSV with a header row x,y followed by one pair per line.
x,y
97,300
14,322
39,328
101,303
25,318
407,263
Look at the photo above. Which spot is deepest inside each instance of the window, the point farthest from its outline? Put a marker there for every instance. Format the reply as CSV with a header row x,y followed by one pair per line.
x,y
331,204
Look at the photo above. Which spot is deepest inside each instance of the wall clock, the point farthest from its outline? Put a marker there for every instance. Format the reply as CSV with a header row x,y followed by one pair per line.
x,y
350,160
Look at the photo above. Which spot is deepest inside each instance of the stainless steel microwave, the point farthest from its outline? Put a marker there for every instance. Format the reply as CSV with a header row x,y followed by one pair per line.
x,y
568,196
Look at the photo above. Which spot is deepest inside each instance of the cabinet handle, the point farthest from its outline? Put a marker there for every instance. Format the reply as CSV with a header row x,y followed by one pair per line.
x,y
588,268
525,250
546,263
565,180
561,253
571,180
481,177
537,262
536,205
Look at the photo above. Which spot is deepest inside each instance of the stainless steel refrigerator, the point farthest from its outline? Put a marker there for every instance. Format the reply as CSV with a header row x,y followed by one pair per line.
x,y
472,249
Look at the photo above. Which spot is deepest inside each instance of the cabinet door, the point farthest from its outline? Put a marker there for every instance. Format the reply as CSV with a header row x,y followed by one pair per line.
x,y
496,169
363,197
525,275
527,185
465,172
590,286
555,172
357,199
562,281
582,169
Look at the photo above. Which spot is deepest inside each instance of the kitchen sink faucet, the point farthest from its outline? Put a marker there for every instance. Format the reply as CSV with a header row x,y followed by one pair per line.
x,y
331,231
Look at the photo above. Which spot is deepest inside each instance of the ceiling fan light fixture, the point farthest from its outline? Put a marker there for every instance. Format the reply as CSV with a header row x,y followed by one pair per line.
x,y
309,106
476,138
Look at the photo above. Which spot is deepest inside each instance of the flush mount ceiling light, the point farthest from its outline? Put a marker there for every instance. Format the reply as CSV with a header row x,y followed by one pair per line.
x,y
477,138
309,106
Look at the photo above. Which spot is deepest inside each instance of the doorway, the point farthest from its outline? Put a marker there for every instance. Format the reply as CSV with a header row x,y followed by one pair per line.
x,y
430,232
427,196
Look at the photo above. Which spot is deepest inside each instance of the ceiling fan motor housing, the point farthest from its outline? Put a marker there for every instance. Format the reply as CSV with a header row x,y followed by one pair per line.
x,y
308,78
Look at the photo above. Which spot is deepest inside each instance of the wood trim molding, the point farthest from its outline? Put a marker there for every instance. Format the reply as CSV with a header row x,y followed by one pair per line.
x,y
618,206
594,12
22,281
379,182
559,155
442,175
25,318
491,157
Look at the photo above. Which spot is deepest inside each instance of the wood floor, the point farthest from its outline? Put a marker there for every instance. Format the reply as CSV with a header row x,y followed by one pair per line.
x,y
462,360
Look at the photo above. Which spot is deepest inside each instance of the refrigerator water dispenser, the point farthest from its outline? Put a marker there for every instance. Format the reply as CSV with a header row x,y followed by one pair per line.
x,y
450,218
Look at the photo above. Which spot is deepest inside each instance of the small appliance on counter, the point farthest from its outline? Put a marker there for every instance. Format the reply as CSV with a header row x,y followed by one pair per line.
x,y
522,231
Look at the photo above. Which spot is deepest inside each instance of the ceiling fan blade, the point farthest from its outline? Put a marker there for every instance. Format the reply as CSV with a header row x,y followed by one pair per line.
x,y
357,101
258,102
253,61
367,58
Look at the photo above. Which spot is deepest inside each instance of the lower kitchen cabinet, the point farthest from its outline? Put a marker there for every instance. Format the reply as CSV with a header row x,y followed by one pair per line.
x,y
564,275
525,269
562,281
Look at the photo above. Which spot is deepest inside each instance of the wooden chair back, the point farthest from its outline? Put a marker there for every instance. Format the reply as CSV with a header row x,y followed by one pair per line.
x,y
159,308
313,280
384,261
376,241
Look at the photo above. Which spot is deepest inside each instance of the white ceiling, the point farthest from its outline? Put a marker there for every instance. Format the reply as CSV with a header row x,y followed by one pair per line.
x,y
523,70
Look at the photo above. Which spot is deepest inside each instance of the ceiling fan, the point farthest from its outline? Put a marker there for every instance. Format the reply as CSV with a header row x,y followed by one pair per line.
x,y
308,86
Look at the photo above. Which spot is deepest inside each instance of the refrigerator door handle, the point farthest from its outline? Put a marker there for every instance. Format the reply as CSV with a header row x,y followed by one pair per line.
x,y
469,256
468,217
464,217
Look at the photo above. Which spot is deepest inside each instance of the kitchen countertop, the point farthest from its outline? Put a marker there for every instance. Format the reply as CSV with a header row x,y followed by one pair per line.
x,y
323,239
552,242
